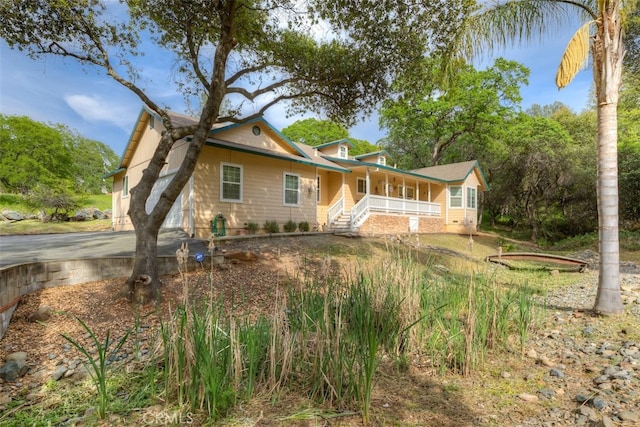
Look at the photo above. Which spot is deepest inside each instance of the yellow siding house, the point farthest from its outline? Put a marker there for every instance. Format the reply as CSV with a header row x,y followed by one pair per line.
x,y
251,173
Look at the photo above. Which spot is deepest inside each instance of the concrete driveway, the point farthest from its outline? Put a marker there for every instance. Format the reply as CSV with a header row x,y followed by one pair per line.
x,y
45,247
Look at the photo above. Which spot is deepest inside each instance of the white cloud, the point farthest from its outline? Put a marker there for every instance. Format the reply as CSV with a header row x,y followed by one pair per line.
x,y
96,109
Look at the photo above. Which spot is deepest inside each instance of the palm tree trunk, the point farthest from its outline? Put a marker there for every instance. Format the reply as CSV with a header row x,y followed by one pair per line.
x,y
608,52
608,299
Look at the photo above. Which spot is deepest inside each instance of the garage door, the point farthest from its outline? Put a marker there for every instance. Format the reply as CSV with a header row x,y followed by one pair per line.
x,y
174,217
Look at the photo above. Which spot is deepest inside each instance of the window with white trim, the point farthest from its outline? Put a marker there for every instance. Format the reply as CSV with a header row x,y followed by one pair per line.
x,y
230,182
382,160
125,186
471,198
318,189
291,190
406,192
362,186
455,197
343,152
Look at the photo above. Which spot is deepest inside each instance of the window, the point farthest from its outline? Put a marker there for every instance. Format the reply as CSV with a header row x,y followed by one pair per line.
x,y
152,122
362,186
406,192
230,183
382,160
291,189
342,152
471,198
318,189
455,197
125,186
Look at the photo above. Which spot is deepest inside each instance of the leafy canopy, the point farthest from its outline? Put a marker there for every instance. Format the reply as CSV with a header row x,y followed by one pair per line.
x,y
33,154
431,117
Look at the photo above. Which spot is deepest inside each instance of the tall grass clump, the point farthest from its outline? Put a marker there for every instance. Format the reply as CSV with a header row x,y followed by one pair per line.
x,y
467,316
211,360
328,338
343,327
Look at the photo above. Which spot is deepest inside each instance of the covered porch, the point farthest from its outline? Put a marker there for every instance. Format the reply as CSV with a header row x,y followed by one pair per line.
x,y
386,192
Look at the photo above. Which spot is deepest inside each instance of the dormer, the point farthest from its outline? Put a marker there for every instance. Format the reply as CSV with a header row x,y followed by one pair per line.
x,y
338,149
377,157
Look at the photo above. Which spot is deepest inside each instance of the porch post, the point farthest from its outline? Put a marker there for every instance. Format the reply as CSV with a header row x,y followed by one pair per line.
x,y
367,183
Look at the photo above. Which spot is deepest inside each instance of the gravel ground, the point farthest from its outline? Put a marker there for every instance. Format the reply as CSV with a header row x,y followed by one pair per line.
x,y
590,363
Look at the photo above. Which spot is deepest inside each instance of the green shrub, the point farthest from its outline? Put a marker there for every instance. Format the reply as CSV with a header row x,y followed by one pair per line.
x,y
303,226
271,226
252,227
290,226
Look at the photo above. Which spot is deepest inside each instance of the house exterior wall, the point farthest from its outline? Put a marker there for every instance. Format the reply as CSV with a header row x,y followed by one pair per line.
x,y
379,223
351,197
330,193
140,159
143,152
463,220
262,191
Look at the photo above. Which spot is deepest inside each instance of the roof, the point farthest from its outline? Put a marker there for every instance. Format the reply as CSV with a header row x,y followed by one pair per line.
x,y
374,153
302,153
337,141
453,172
308,157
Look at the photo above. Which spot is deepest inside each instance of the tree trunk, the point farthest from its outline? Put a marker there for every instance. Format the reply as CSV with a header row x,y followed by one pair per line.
x,y
533,224
143,286
608,52
608,299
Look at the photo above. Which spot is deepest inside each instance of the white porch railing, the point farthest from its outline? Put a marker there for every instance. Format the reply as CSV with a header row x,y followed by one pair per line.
x,y
368,204
335,211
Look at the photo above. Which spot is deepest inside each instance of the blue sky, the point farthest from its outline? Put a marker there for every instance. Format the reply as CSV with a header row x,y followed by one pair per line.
x,y
55,90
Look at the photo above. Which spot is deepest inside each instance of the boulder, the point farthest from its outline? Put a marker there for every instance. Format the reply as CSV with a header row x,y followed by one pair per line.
x,y
13,215
13,369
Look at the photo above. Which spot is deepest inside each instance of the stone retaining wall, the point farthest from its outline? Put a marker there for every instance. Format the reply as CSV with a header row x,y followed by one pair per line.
x,y
380,224
19,280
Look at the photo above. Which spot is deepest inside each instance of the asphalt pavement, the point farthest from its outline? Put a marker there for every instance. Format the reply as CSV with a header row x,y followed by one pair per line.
x,y
47,247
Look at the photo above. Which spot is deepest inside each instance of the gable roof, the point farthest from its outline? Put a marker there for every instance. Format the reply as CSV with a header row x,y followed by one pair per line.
x,y
336,142
374,153
453,172
301,153
261,120
308,157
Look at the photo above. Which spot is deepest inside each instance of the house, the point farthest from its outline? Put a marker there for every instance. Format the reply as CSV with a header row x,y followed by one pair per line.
x,y
251,173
